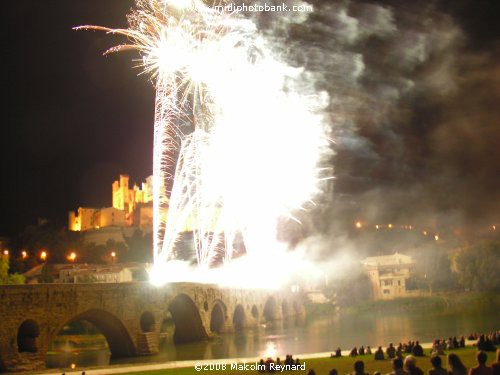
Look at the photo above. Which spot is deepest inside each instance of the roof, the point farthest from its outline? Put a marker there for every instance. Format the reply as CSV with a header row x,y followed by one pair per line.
x,y
387,260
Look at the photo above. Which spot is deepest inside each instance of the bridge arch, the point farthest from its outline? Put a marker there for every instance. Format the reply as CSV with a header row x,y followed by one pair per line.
x,y
218,317
147,321
255,312
187,319
112,328
239,317
27,335
271,309
2,364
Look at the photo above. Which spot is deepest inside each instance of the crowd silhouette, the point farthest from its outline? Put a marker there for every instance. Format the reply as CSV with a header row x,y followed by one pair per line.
x,y
404,357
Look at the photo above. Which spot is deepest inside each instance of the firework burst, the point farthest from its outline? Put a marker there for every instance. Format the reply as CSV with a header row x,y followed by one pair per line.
x,y
236,146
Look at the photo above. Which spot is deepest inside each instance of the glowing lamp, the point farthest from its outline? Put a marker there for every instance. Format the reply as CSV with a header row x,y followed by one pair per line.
x,y
358,224
43,255
71,257
24,254
6,252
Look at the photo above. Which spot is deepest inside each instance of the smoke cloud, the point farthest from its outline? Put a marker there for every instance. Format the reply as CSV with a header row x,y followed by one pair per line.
x,y
411,110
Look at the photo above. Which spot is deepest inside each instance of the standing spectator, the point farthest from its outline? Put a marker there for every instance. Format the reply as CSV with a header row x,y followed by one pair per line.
x,y
437,368
481,368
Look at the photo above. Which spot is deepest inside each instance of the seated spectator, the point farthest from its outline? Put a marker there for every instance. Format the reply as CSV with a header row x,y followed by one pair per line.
x,y
262,366
437,368
333,372
361,350
311,372
456,344
418,351
391,351
379,354
410,365
411,344
455,365
481,368
354,352
437,348
484,344
368,350
397,367
462,342
338,353
270,368
449,344
496,365
377,373
359,368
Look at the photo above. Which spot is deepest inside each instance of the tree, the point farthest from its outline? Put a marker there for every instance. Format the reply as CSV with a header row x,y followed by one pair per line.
x,y
140,248
432,269
5,277
46,275
477,266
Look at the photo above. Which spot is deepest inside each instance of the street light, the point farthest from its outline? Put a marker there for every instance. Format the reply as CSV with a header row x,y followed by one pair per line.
x,y
24,254
43,255
6,252
113,256
71,257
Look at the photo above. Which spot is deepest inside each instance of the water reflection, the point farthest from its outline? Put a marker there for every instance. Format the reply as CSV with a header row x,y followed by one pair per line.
x,y
312,334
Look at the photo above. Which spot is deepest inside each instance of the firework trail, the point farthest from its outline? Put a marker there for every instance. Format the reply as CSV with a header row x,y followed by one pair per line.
x,y
236,146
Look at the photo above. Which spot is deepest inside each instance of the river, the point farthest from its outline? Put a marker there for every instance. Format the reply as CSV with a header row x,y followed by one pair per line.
x,y
306,335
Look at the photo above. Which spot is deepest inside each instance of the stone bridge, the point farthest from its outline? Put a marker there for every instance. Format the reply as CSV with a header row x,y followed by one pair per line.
x,y
129,315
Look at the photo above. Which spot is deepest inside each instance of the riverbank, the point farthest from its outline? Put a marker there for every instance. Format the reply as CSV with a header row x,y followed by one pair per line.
x,y
441,303
320,362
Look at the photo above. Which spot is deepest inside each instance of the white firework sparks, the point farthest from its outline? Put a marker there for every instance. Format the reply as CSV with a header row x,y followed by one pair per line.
x,y
236,147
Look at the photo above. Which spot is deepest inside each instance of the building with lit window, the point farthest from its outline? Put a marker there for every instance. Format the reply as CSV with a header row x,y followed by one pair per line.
x,y
388,274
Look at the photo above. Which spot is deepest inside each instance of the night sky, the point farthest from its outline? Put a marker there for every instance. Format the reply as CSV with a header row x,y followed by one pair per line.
x,y
414,106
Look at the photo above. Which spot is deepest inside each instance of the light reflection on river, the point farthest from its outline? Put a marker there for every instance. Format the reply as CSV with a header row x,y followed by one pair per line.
x,y
307,335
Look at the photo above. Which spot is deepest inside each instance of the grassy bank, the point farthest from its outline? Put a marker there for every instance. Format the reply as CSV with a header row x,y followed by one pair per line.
x,y
439,303
343,365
